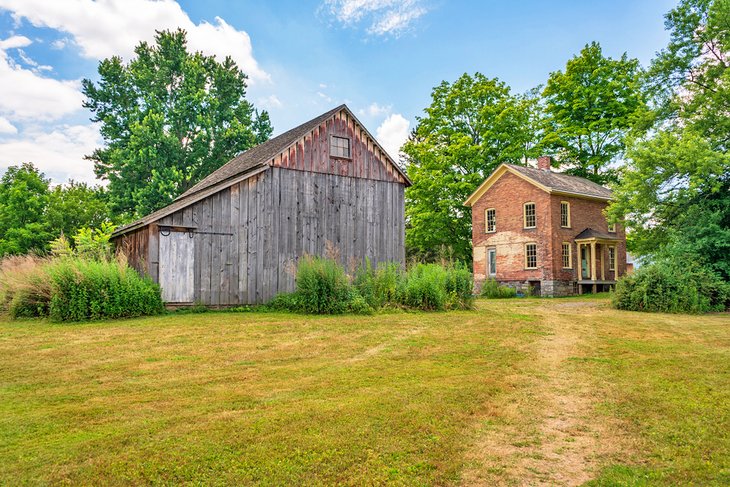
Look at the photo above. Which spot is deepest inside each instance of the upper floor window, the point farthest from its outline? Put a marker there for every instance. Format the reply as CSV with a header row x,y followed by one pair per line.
x,y
565,214
567,257
340,147
531,256
490,217
612,227
529,215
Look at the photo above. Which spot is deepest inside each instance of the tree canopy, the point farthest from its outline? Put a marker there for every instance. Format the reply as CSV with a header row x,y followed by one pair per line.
x,y
591,107
471,126
168,118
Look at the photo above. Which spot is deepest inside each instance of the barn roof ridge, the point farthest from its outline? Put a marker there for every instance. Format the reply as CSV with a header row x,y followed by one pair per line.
x,y
248,163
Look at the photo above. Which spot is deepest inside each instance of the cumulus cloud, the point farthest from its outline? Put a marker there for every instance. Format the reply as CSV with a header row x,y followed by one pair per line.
x,y
114,27
6,127
376,110
28,95
382,17
393,133
271,101
58,153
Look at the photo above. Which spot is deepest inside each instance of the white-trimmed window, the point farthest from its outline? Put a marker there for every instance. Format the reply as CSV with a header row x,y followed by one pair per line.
x,y
531,256
565,214
490,218
530,219
492,262
339,147
567,256
612,227
612,258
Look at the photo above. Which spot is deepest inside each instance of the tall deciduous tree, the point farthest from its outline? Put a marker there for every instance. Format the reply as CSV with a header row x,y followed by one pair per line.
x,y
674,189
591,107
472,125
23,202
168,118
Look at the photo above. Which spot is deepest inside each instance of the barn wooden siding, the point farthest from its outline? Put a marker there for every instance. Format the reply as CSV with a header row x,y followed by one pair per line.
x,y
249,236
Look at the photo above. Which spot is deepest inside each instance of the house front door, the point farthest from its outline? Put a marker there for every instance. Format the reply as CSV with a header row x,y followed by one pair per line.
x,y
585,262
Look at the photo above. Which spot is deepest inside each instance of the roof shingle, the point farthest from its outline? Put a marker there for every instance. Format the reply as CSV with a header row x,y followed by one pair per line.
x,y
564,182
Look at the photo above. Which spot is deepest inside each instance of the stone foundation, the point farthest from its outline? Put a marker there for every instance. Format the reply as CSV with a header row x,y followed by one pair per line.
x,y
549,289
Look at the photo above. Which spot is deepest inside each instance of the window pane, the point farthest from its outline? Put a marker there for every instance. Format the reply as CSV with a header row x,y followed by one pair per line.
x,y
492,261
340,147
564,214
530,215
491,220
531,256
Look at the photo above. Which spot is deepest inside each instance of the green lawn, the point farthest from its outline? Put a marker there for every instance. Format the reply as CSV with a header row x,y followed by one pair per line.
x,y
561,391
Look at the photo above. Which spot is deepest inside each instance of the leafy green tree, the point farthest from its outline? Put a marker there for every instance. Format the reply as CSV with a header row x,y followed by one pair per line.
x,y
24,197
472,125
75,205
591,107
168,118
675,188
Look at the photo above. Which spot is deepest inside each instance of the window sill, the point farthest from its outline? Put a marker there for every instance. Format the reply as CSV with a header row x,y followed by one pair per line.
x,y
341,158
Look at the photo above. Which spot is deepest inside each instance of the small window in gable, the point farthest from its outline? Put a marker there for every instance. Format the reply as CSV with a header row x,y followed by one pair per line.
x,y
490,217
529,215
612,227
340,147
565,214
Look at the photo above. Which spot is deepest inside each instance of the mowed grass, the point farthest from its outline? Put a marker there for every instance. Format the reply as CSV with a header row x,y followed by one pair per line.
x,y
398,398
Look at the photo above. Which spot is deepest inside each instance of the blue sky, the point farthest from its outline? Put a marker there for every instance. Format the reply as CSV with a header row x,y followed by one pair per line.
x,y
381,57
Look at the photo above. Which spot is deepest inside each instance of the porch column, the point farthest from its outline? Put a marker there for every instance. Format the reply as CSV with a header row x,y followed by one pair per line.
x,y
615,264
603,264
593,261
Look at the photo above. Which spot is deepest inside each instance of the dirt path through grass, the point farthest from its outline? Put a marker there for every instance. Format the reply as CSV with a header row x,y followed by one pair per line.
x,y
545,432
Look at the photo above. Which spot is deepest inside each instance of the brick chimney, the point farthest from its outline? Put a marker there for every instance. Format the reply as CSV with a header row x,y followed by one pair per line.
x,y
544,162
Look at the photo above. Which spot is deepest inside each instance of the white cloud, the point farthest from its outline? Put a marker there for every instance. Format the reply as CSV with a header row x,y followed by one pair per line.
x,y
6,127
28,95
33,64
392,134
326,98
58,153
271,101
322,86
105,28
375,110
385,17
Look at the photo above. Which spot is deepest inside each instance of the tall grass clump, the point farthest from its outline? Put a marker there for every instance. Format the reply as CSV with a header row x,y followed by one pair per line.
x,y
435,287
87,289
323,288
491,289
69,287
668,287
378,285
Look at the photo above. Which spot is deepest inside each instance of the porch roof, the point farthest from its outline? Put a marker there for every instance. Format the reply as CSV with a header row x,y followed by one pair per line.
x,y
590,234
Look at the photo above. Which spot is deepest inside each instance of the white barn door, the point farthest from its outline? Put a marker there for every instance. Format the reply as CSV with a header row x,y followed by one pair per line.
x,y
177,279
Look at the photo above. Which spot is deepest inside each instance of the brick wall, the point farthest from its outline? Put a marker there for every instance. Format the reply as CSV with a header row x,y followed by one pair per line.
x,y
507,196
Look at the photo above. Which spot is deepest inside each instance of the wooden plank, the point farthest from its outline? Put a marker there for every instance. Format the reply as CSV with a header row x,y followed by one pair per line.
x,y
234,296
225,246
206,253
261,234
243,244
252,238
215,257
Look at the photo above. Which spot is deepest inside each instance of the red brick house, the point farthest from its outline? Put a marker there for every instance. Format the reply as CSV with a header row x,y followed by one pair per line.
x,y
546,231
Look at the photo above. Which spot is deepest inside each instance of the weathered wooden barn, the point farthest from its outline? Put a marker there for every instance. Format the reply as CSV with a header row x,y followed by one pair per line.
x,y
235,237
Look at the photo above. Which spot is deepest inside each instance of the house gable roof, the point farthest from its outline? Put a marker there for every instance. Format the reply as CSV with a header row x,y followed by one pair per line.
x,y
249,163
549,181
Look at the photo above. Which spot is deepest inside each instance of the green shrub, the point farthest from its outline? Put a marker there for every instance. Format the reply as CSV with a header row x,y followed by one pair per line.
x,y
493,290
670,287
459,287
25,289
85,289
378,286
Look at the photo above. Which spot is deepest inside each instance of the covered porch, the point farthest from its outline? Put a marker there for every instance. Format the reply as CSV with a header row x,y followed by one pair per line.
x,y
597,259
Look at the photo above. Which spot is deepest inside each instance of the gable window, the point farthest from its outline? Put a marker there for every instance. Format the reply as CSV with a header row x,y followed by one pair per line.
x,y
612,258
612,227
565,214
567,257
529,215
490,217
531,256
340,147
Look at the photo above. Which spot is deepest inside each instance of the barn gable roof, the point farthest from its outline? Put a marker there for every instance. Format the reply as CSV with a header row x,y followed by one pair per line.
x,y
249,163
549,181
